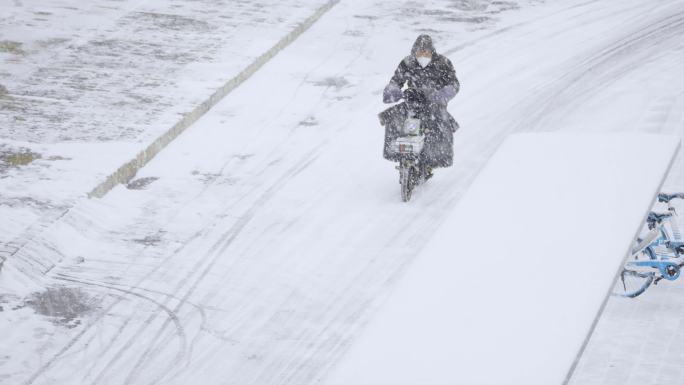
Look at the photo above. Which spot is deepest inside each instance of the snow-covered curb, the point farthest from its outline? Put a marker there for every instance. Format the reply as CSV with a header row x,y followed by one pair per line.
x,y
128,170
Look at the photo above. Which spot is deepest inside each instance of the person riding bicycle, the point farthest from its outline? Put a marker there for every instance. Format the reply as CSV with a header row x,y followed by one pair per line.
x,y
427,78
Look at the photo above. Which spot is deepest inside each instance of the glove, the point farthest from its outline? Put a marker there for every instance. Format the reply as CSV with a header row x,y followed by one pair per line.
x,y
391,94
441,96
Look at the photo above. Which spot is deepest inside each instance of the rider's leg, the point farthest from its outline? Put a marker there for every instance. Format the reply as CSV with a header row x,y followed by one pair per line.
x,y
425,168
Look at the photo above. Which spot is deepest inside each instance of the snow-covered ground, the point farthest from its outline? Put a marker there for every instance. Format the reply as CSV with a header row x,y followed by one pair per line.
x,y
85,87
255,247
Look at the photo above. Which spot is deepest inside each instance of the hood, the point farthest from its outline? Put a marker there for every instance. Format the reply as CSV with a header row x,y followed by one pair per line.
x,y
423,43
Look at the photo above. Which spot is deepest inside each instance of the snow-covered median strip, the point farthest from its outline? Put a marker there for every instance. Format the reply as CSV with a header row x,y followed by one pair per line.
x,y
511,285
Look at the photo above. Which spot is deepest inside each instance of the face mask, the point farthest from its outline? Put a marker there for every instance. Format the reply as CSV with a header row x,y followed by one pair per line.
x,y
423,61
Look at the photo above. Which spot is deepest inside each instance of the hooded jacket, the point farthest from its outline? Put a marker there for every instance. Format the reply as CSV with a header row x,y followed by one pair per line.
x,y
437,80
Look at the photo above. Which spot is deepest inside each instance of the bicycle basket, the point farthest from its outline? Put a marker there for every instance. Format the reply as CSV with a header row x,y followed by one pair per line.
x,y
408,145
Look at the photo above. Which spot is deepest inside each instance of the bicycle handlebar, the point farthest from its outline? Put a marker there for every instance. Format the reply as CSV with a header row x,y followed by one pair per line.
x,y
654,217
666,198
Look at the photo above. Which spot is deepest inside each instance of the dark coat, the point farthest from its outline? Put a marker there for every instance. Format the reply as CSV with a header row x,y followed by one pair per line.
x,y
439,84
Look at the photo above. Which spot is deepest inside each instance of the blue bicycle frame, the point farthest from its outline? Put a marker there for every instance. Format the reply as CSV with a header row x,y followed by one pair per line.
x,y
666,248
660,255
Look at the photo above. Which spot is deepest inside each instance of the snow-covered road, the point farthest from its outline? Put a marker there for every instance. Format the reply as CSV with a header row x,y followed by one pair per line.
x,y
260,242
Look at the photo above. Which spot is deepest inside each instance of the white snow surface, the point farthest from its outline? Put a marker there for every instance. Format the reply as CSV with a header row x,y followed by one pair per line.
x,y
511,284
87,86
274,228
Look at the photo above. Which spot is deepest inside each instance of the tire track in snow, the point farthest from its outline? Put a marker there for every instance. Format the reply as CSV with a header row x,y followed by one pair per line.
x,y
130,291
137,286
573,88
214,253
171,314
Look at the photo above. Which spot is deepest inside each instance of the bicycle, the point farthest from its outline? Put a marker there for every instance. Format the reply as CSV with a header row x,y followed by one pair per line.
x,y
658,255
405,126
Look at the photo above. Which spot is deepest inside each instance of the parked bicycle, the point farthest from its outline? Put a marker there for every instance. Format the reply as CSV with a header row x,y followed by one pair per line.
x,y
658,255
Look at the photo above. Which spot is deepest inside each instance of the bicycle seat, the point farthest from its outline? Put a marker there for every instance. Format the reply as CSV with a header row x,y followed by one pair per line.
x,y
666,198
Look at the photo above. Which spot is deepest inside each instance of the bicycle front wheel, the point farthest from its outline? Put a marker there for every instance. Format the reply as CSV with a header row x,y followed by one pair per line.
x,y
634,280
632,283
406,181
